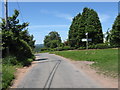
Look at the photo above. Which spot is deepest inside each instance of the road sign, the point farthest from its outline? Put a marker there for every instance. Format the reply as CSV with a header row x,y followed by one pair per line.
x,y
89,39
84,40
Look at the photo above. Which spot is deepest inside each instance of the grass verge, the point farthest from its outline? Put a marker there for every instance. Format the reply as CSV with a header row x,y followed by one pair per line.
x,y
8,74
106,60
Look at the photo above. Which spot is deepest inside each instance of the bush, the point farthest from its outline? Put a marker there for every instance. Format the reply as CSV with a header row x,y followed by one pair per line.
x,y
92,47
81,48
24,50
68,48
44,49
51,49
27,62
101,46
10,60
59,49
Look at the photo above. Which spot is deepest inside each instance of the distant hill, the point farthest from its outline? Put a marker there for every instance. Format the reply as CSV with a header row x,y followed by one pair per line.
x,y
38,47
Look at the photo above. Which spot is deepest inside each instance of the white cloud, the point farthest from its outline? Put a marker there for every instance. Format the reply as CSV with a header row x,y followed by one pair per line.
x,y
66,16
58,14
104,17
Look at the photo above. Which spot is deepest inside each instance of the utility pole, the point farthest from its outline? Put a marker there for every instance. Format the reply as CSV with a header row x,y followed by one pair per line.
x,y
87,40
6,19
6,13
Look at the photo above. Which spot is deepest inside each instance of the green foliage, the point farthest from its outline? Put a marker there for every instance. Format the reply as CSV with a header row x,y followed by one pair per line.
x,y
16,40
57,49
106,60
63,48
8,75
89,22
52,40
68,48
98,46
101,46
9,65
24,50
81,48
10,60
17,47
73,32
115,33
27,62
44,49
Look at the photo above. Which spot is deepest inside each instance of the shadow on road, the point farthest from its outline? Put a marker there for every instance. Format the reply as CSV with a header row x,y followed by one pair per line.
x,y
42,59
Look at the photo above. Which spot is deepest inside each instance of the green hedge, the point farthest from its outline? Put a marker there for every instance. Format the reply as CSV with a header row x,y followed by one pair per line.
x,y
44,49
10,60
58,48
101,46
97,46
81,48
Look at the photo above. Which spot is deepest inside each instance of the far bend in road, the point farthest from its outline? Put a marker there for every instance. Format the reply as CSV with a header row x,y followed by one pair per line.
x,y
54,72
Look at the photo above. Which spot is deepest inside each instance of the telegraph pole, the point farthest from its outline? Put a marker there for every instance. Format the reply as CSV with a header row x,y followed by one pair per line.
x,y
6,19
6,13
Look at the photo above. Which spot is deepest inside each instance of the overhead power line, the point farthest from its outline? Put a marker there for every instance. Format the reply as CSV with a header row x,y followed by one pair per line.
x,y
20,11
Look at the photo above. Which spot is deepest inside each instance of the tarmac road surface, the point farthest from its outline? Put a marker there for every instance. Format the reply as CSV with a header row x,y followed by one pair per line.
x,y
54,72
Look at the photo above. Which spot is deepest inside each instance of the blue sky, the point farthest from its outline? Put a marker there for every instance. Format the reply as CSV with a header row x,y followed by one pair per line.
x,y
50,16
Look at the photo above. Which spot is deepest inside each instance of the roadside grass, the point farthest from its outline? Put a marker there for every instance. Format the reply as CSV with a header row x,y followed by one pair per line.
x,y
8,74
9,65
106,60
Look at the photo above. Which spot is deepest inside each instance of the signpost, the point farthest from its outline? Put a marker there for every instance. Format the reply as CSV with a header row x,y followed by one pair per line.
x,y
86,40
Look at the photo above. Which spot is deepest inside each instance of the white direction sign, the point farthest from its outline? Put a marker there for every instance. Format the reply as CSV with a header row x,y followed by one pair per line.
x,y
84,39
89,39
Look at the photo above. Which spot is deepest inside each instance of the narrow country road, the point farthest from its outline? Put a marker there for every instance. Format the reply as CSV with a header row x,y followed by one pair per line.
x,y
54,72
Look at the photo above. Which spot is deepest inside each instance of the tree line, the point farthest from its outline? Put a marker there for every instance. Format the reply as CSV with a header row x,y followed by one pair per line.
x,y
86,22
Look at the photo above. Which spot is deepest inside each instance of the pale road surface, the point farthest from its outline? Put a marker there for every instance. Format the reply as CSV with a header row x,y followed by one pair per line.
x,y
54,72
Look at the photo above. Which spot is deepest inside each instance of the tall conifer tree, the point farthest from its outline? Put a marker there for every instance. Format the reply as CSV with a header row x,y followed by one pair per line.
x,y
89,23
115,32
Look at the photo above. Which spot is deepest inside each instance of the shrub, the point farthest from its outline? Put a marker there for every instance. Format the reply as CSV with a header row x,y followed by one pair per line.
x,y
81,48
58,49
101,46
51,49
44,49
67,48
10,60
27,62
24,50
92,47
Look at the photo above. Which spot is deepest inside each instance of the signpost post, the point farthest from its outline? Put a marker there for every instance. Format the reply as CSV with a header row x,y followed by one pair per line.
x,y
87,41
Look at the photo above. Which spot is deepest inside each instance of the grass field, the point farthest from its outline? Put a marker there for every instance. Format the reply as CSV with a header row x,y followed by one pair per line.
x,y
106,60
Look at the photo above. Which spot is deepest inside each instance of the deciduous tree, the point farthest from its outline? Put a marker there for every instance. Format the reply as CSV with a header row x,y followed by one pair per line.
x,y
52,40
